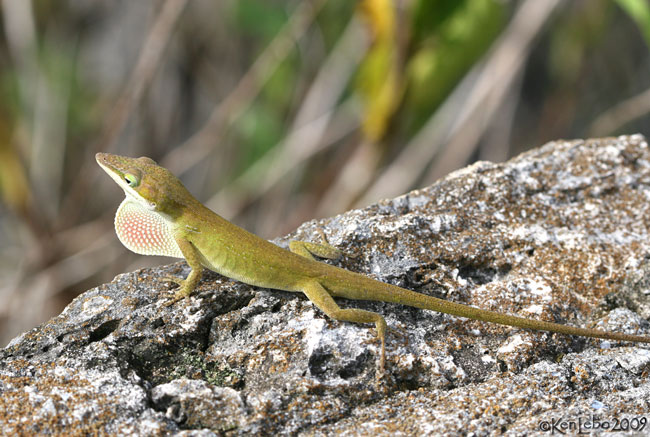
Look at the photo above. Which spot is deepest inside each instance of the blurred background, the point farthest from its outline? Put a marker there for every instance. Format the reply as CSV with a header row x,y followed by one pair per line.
x,y
275,112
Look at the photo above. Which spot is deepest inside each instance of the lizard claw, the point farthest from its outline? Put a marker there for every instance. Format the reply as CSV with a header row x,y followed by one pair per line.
x,y
175,298
178,281
180,293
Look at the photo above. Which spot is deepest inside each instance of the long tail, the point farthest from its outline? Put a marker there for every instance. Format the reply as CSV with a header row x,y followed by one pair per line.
x,y
392,293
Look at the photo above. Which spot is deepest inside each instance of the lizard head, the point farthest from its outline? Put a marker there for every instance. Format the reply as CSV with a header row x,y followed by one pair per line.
x,y
152,186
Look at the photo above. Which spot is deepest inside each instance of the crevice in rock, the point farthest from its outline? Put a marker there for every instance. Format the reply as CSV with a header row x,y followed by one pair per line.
x,y
103,330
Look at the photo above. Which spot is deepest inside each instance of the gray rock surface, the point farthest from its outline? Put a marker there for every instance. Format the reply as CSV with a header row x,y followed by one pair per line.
x,y
561,233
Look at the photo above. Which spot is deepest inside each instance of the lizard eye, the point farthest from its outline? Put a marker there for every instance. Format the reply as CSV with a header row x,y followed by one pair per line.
x,y
131,180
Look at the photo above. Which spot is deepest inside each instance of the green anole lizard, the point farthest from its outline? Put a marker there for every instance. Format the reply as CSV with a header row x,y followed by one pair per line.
x,y
159,216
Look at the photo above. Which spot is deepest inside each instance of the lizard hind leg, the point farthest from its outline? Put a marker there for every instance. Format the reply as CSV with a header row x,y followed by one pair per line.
x,y
308,249
324,301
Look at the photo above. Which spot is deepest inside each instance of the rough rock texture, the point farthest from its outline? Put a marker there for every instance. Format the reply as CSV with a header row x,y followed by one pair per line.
x,y
561,233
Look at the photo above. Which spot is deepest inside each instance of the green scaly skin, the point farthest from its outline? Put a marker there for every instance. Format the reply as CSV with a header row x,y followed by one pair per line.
x,y
188,229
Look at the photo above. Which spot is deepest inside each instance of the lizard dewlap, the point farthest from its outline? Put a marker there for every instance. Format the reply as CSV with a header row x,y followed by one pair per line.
x,y
144,232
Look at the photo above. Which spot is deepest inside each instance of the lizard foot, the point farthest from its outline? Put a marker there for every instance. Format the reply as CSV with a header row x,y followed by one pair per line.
x,y
180,293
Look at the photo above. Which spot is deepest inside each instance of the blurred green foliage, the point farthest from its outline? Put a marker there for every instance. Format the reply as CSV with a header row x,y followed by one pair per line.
x,y
639,10
448,38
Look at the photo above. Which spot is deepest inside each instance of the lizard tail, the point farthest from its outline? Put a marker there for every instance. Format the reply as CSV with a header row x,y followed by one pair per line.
x,y
392,293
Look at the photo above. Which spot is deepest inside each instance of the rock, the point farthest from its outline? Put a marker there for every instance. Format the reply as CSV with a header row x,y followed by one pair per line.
x,y
561,233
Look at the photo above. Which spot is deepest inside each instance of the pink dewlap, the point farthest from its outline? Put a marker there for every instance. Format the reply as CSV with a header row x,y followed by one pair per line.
x,y
144,231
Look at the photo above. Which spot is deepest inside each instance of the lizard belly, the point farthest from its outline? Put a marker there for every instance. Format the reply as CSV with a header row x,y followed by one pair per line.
x,y
249,271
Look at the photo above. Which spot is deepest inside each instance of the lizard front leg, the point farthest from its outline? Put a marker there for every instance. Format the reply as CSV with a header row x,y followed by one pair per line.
x,y
193,258
324,301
